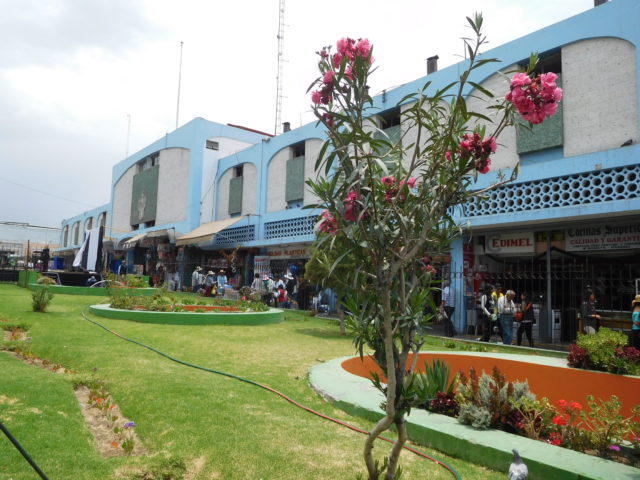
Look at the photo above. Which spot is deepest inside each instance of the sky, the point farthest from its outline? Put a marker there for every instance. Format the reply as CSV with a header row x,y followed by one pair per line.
x,y
83,83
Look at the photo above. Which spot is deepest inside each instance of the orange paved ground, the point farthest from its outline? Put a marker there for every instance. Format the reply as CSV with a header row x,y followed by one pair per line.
x,y
554,383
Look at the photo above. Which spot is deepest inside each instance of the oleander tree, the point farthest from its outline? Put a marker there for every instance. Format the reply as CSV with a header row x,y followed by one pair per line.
x,y
389,204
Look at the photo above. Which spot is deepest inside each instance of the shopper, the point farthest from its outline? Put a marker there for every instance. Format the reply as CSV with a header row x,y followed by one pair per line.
x,y
506,310
195,280
635,323
487,308
496,295
590,317
209,280
525,324
257,286
448,305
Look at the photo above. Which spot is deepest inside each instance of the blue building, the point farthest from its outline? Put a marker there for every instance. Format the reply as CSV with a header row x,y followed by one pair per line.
x,y
230,198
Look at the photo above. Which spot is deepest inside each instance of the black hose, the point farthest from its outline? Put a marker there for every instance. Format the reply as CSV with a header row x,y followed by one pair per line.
x,y
23,452
266,387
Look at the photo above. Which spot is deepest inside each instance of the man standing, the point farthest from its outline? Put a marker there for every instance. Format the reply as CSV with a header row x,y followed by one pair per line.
x,y
195,280
506,310
448,304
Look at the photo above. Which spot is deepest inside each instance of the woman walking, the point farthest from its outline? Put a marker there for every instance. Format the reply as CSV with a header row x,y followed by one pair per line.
x,y
526,321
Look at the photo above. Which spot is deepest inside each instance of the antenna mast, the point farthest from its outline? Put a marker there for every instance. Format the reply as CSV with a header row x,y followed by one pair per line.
x,y
280,67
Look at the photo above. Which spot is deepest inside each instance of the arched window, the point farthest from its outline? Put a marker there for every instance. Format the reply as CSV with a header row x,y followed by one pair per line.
x,y
102,219
65,236
88,224
76,233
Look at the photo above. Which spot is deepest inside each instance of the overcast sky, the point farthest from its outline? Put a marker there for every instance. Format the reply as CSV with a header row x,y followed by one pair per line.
x,y
72,73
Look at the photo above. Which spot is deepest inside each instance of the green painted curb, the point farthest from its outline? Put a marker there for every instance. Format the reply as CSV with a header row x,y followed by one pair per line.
x,y
190,318
91,291
491,448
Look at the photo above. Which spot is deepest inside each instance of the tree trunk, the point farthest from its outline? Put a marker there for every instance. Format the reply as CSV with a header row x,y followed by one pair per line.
x,y
394,457
343,330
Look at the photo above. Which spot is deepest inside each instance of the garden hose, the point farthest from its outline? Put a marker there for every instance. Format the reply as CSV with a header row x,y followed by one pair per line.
x,y
24,453
272,390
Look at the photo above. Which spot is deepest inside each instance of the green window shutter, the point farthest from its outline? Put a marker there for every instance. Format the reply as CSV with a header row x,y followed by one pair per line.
x,y
235,195
295,179
548,134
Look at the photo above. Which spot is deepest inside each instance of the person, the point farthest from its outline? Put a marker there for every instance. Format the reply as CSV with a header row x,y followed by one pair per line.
x,y
281,295
526,322
222,281
590,317
496,294
448,305
487,308
635,323
267,289
256,285
506,309
208,283
303,294
195,280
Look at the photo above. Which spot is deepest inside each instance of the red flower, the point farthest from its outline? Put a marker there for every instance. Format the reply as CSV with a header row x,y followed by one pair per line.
x,y
555,438
576,406
115,444
559,420
562,403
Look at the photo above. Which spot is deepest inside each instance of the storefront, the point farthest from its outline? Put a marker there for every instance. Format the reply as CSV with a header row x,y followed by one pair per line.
x,y
281,261
557,266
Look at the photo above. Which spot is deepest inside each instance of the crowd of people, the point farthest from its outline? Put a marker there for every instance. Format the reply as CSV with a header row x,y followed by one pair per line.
x,y
499,310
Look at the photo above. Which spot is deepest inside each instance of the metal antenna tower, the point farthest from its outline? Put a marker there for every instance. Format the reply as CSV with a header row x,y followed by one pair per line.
x,y
280,68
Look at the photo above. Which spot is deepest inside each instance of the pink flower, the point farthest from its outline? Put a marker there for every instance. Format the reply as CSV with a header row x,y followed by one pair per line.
x,y
430,270
316,96
520,80
328,119
555,438
363,47
337,60
328,77
328,223
411,182
447,155
477,150
390,180
615,448
351,206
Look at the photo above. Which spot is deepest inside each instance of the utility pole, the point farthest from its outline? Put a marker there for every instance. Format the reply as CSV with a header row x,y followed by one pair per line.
x,y
179,82
278,126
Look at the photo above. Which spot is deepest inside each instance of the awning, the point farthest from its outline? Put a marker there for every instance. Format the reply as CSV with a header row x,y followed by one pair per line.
x,y
133,241
206,231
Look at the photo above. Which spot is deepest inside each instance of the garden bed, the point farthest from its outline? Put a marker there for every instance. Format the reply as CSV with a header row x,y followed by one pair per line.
x,y
355,394
214,317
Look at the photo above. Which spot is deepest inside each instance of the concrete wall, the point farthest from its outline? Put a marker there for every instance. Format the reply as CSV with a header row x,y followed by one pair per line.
x,y
276,180
173,186
121,214
600,92
250,187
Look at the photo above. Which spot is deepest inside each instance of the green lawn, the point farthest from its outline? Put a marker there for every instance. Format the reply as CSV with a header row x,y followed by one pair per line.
x,y
219,427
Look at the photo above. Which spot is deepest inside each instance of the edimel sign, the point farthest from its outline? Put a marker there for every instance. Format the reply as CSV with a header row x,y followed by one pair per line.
x,y
507,243
603,237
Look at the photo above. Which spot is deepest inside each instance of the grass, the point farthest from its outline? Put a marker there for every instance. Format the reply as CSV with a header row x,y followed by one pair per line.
x,y
219,427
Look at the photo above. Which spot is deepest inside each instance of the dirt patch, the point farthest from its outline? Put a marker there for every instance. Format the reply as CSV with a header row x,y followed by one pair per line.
x,y
108,441
14,335
39,362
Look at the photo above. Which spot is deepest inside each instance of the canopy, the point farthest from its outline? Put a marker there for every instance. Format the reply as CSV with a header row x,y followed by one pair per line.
x,y
206,231
133,241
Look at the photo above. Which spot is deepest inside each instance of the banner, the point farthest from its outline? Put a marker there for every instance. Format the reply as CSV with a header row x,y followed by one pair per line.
x,y
508,243
603,237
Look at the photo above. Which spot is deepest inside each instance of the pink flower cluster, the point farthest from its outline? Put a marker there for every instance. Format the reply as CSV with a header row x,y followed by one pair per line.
x,y
328,223
346,47
427,267
393,188
535,98
351,206
474,147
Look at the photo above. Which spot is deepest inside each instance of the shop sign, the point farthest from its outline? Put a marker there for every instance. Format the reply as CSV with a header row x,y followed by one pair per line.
x,y
288,253
507,243
603,237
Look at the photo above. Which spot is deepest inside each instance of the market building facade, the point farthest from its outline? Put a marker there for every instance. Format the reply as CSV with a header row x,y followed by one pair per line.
x,y
568,222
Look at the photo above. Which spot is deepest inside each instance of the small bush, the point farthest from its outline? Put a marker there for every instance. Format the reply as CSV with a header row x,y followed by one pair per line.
x,y
44,280
40,299
489,400
607,350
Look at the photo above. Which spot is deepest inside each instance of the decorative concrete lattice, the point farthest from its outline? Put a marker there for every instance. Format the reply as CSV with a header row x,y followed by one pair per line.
x,y
290,228
579,189
234,236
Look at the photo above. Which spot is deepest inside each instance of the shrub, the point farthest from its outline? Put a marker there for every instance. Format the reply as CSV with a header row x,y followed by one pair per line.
x,y
136,281
489,400
434,379
40,299
444,404
44,280
606,350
